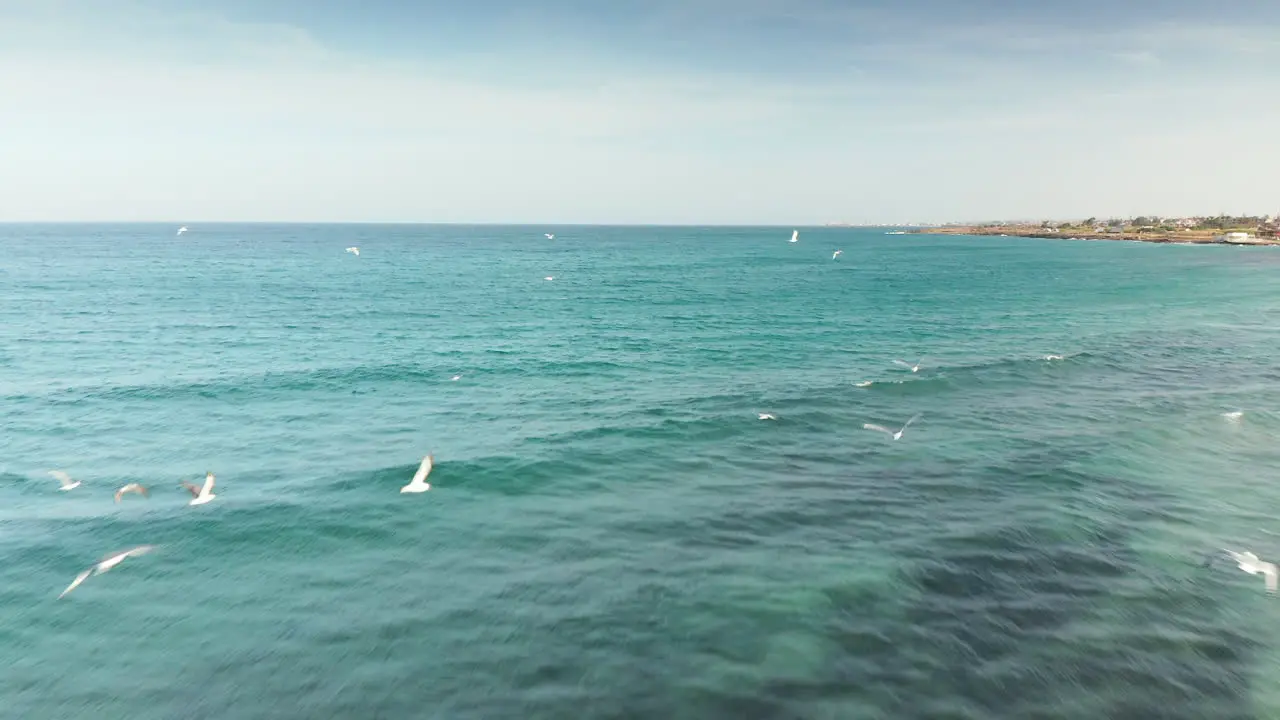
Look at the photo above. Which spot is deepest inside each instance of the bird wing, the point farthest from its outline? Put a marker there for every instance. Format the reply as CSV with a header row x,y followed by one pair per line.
x,y
116,558
62,477
195,491
1272,574
76,583
881,428
899,362
208,485
131,487
423,471
140,550
913,419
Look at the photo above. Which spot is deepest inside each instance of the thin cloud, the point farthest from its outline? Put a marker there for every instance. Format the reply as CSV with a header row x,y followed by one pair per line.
x,y
122,111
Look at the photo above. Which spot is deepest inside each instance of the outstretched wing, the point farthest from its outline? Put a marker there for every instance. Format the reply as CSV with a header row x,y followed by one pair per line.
x,y
195,491
62,477
903,364
881,428
139,550
913,419
1271,572
208,484
76,583
423,471
131,487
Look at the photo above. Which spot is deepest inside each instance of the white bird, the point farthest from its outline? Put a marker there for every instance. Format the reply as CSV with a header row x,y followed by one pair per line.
x,y
455,378
107,563
201,495
768,416
354,251
1053,357
550,277
795,236
65,479
1233,416
887,431
550,236
1250,563
182,229
419,482
836,254
134,488
914,368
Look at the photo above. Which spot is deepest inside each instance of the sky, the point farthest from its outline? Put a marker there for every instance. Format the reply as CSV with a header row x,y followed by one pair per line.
x,y
786,112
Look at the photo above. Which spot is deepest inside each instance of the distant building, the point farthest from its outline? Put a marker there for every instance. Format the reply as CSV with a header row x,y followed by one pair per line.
x,y
1236,238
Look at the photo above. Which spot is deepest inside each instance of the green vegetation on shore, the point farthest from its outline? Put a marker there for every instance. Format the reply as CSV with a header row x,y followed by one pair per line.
x,y
1262,228
1254,229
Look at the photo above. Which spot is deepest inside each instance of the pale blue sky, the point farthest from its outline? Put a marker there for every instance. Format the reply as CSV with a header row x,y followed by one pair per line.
x,y
703,111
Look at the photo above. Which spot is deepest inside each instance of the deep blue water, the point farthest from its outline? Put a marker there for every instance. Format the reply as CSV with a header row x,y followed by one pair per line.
x,y
612,533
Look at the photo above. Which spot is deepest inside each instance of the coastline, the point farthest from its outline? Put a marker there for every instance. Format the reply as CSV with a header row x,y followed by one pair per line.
x,y
1186,237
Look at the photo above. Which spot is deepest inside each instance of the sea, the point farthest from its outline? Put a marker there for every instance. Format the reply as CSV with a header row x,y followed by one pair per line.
x,y
611,530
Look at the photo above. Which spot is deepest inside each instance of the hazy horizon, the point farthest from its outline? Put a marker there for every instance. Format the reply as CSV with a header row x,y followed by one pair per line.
x,y
704,112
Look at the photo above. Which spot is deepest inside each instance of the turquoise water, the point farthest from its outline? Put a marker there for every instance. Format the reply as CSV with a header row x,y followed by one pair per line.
x,y
611,532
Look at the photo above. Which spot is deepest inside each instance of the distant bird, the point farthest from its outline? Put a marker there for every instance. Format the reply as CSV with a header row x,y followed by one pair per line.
x,y
836,254
550,277
201,495
455,378
65,479
914,368
132,488
864,383
1052,357
768,416
419,482
107,563
1250,563
887,431
795,236
1234,417
354,251
182,229
550,236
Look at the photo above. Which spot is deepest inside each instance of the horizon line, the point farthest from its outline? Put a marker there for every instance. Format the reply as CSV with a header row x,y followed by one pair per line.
x,y
443,223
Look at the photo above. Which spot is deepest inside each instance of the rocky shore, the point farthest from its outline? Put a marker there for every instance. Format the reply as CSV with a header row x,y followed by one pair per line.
x,y
1183,236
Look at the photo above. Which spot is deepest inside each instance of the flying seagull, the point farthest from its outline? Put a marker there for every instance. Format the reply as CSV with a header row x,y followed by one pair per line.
x,y
914,368
795,236
65,479
107,563
201,495
455,378
1250,563
836,254
768,416
550,236
550,277
887,431
419,482
182,229
354,251
1233,416
132,488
